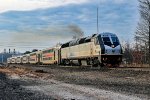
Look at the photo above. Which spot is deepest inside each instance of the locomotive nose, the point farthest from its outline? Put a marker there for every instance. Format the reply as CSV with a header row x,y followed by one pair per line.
x,y
113,51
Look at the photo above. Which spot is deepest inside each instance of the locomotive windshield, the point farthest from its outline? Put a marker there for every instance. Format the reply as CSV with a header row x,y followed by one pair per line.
x,y
107,41
115,41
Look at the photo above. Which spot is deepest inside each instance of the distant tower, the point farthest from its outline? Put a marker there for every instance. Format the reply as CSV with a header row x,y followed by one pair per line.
x,y
97,21
9,50
14,51
4,50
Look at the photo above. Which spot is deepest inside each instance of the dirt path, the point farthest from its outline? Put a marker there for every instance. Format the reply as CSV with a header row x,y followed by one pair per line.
x,y
61,90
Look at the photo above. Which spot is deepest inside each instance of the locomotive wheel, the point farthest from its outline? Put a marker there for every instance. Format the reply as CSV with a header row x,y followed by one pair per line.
x,y
102,65
67,62
116,65
79,61
95,62
63,62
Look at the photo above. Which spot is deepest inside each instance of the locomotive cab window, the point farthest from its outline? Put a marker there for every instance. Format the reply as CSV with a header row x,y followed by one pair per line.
x,y
107,41
115,41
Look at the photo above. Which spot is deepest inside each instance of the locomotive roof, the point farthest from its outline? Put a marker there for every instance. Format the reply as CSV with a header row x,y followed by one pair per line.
x,y
85,39
78,41
107,34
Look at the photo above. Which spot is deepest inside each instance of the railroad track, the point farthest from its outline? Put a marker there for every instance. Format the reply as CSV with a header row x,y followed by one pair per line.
x,y
79,68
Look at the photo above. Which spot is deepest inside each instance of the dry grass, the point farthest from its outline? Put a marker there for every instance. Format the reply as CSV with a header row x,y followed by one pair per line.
x,y
24,72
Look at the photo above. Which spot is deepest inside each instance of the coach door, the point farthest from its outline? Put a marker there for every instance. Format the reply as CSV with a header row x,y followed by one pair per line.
x,y
56,55
39,58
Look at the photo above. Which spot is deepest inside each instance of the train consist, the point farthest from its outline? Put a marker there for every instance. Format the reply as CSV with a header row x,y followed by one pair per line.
x,y
96,50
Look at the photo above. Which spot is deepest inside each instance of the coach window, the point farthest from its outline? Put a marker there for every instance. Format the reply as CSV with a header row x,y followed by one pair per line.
x,y
115,41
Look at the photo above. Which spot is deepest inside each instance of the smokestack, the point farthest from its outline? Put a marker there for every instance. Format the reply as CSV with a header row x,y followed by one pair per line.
x,y
4,50
14,51
9,50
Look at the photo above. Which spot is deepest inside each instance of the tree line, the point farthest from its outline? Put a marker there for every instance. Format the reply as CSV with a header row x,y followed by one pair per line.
x,y
140,52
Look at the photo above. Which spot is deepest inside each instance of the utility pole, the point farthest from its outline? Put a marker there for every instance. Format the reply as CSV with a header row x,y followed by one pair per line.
x,y
149,29
9,50
97,21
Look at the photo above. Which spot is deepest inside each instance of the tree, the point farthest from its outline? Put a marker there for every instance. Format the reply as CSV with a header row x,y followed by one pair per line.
x,y
127,55
142,36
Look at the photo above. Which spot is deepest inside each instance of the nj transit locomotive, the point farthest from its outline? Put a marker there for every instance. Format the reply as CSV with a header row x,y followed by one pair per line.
x,y
98,49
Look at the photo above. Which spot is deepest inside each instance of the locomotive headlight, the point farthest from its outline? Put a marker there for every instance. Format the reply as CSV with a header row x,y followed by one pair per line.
x,y
112,46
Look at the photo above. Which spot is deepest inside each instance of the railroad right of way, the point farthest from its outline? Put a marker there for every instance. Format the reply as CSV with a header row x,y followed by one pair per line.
x,y
128,81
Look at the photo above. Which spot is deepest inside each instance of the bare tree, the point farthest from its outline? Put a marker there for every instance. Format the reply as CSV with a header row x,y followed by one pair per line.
x,y
127,55
142,36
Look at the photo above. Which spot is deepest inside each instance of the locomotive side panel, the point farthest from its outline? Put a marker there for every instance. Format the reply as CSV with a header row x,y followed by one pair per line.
x,y
76,52
73,52
85,50
96,48
64,53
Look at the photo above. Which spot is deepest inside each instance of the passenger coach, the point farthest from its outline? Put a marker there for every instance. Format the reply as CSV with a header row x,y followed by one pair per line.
x,y
50,56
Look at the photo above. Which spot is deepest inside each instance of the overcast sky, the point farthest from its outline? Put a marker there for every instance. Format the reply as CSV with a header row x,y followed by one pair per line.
x,y
29,24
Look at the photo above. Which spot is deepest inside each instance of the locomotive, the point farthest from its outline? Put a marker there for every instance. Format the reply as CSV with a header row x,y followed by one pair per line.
x,y
96,50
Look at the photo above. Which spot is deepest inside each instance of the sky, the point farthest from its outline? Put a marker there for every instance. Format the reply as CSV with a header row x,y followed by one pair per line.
x,y
39,24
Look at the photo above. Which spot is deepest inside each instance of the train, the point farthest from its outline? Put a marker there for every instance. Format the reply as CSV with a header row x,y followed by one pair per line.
x,y
96,50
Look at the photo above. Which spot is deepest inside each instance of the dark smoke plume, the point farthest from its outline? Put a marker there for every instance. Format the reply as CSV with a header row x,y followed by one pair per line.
x,y
44,36
76,31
